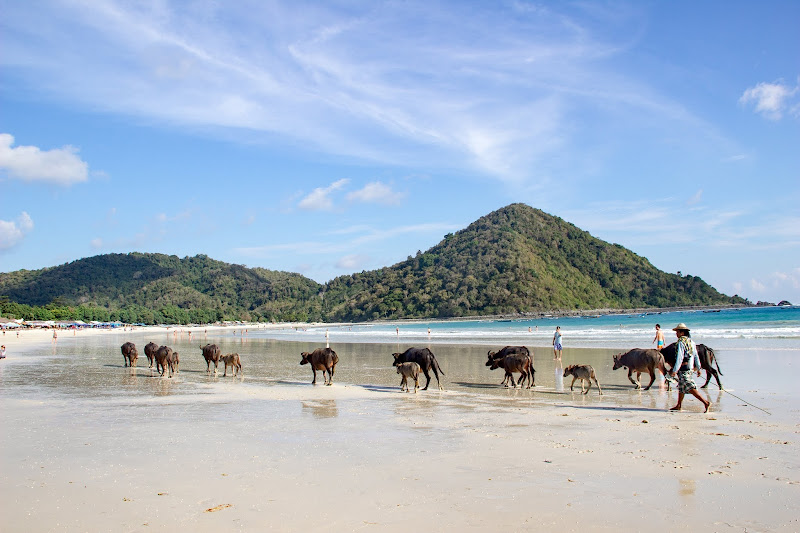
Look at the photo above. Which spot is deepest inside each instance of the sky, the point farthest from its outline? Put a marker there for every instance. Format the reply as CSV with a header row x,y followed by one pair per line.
x,y
327,138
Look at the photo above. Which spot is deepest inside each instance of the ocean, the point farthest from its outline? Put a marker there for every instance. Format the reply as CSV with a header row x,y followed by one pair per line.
x,y
772,328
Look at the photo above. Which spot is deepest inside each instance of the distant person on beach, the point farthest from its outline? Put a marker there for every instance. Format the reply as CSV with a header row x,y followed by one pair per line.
x,y
686,362
3,351
659,338
557,347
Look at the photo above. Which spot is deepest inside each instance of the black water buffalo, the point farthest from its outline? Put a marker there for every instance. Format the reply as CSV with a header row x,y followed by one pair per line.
x,y
150,351
640,361
129,354
164,358
324,359
234,361
426,361
707,359
583,373
408,370
211,353
516,363
512,350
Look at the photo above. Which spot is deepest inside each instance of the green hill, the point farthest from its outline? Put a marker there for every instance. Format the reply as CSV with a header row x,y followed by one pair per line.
x,y
154,288
514,260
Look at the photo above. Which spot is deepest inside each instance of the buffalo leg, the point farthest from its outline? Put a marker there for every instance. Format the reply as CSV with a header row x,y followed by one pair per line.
x,y
314,370
711,372
330,376
416,384
573,382
427,378
652,379
436,373
589,383
402,383
598,385
630,377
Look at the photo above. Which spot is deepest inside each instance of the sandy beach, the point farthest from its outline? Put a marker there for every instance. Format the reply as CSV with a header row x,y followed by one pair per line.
x,y
89,445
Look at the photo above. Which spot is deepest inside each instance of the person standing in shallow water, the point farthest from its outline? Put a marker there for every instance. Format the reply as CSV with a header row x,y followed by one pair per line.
x,y
659,339
557,347
686,362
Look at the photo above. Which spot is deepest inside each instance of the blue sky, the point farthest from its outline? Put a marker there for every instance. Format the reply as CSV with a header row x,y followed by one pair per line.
x,y
327,138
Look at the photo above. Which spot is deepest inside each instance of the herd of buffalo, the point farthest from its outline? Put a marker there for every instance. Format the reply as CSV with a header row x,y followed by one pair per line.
x,y
412,362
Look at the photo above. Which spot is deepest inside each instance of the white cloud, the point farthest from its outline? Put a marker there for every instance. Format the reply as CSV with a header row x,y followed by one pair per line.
x,y
771,99
376,193
319,199
13,231
350,80
696,198
28,163
353,262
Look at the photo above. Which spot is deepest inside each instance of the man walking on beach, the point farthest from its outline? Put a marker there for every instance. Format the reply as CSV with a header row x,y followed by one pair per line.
x,y
659,338
685,362
557,348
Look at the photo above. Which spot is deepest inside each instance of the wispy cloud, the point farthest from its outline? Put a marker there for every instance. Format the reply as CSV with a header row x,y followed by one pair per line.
x,y
347,242
454,92
13,231
771,100
376,193
61,166
320,198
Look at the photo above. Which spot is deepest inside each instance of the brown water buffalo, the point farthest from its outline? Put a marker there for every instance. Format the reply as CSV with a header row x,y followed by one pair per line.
x,y
707,359
211,353
408,370
129,354
324,359
583,373
172,362
640,361
516,363
163,356
426,361
232,360
150,351
511,350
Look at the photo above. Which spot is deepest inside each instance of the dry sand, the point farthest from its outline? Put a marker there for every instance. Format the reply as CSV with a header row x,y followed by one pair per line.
x,y
88,445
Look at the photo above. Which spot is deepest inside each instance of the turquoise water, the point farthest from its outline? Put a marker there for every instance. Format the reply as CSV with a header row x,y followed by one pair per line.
x,y
773,328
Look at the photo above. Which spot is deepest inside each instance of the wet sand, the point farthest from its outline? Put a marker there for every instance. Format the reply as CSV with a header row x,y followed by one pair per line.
x,y
89,445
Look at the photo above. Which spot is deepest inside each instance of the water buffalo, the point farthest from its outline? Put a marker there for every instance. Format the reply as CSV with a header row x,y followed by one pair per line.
x,y
408,370
150,351
165,357
583,373
129,354
640,360
511,350
426,361
232,360
707,359
172,362
211,353
324,359
516,363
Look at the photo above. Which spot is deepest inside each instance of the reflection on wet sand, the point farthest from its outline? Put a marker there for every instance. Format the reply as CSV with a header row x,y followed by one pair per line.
x,y
558,371
687,487
320,408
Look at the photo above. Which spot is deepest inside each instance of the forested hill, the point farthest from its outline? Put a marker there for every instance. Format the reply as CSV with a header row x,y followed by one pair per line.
x,y
514,260
157,288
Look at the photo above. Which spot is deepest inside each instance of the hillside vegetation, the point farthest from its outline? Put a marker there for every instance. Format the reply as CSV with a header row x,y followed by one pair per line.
x,y
514,260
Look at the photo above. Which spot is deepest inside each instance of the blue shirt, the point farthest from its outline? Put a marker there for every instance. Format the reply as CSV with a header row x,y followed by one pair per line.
x,y
694,360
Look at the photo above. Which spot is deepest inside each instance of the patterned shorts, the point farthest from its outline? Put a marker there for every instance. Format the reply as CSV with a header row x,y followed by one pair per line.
x,y
686,382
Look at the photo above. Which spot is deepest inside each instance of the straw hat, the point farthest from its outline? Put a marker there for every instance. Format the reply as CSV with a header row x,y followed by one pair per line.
x,y
680,326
